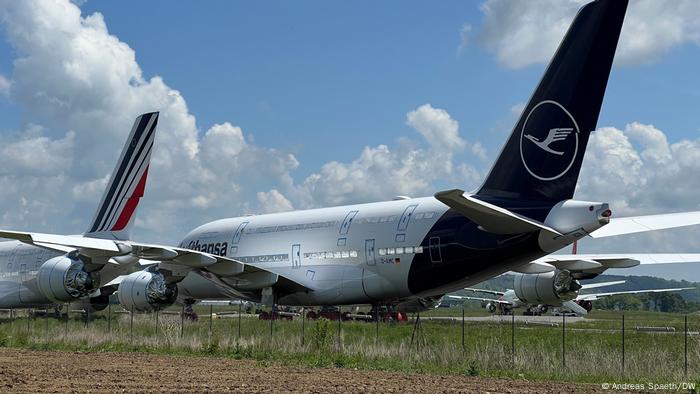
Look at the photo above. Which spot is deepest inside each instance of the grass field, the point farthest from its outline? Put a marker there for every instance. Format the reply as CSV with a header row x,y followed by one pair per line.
x,y
593,347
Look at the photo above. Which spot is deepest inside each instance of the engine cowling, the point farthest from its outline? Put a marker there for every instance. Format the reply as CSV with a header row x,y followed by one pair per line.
x,y
146,291
65,278
551,287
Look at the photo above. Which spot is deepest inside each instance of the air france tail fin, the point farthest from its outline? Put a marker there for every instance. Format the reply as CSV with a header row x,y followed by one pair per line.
x,y
115,213
542,158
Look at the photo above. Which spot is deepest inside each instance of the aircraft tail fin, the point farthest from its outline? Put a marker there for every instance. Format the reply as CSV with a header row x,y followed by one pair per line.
x,y
542,158
126,186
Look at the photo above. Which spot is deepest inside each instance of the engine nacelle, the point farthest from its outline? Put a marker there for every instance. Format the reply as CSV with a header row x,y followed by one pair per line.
x,y
64,278
491,307
550,288
146,291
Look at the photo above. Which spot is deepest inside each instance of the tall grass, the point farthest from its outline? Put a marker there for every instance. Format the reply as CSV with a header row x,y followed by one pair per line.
x,y
593,351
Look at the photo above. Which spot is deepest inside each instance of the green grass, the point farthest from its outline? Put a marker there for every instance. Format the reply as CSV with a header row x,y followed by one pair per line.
x,y
592,355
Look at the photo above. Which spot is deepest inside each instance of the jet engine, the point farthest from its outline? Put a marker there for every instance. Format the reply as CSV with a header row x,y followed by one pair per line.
x,y
146,291
491,307
65,278
546,288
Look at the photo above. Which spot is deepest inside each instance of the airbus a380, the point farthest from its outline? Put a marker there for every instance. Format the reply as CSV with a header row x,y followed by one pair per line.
x,y
408,252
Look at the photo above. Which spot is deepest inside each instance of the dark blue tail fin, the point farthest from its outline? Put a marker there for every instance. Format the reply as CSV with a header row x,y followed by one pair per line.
x,y
542,158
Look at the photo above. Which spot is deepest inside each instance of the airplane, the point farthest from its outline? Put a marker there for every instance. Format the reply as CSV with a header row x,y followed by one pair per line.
x,y
43,272
410,252
519,297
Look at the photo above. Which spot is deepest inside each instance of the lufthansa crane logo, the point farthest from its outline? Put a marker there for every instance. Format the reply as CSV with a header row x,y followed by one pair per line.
x,y
548,141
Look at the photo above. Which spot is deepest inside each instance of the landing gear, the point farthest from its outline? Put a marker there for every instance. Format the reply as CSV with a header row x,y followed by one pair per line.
x,y
188,311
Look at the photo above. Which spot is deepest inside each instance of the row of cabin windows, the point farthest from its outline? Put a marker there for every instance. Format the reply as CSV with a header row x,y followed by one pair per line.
x,y
401,250
342,254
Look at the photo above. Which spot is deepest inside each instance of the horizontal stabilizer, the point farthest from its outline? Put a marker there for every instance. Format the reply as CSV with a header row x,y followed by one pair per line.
x,y
489,217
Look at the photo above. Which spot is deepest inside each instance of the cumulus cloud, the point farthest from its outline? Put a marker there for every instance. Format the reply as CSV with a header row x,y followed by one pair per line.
x,y
4,86
274,201
524,33
639,171
72,74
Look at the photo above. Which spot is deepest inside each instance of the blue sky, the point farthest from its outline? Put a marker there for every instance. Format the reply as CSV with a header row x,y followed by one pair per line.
x,y
298,75
271,106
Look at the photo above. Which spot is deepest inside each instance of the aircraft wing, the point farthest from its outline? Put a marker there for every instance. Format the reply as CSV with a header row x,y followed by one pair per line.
x,y
479,299
597,263
638,224
219,269
596,296
601,284
494,292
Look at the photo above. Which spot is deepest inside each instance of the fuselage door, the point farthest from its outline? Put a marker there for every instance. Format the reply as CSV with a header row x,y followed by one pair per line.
x,y
296,256
435,254
406,217
345,227
239,233
370,255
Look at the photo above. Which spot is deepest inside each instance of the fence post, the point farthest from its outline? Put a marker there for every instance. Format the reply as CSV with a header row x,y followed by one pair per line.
x,y
303,323
11,318
131,326
182,322
623,344
685,365
376,314
211,320
156,324
109,318
67,319
239,321
272,318
340,318
563,340
512,336
463,327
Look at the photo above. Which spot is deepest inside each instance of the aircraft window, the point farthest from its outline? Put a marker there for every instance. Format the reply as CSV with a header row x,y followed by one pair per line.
x,y
399,250
418,216
382,251
329,255
345,254
336,255
409,249
418,249
314,255
391,251
429,215
353,253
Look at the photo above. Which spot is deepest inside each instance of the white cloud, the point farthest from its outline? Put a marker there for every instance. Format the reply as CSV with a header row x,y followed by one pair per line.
x,y
464,34
4,86
274,201
524,33
72,74
439,130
